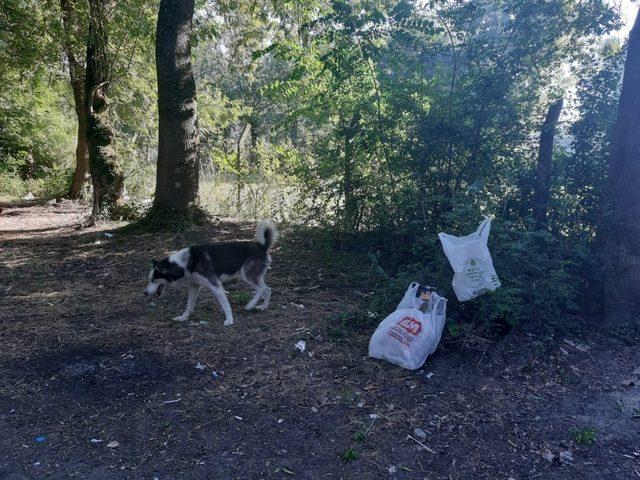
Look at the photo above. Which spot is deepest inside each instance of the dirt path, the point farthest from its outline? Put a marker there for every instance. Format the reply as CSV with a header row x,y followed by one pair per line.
x,y
97,382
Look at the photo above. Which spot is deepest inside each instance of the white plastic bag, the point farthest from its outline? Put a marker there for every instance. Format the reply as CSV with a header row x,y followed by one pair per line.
x,y
471,262
410,300
408,336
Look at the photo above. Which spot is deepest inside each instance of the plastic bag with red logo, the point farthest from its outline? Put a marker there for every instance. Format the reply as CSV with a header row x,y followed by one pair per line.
x,y
408,336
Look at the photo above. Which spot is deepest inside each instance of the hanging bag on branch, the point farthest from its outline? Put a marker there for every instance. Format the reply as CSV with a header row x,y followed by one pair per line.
x,y
471,262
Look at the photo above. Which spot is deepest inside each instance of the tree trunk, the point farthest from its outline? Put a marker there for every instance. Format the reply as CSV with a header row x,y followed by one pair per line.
x,y
106,174
348,187
76,73
620,226
176,197
545,163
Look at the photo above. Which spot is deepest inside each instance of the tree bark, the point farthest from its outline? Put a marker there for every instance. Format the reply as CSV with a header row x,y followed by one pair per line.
x,y
620,226
348,180
106,175
545,163
76,74
178,171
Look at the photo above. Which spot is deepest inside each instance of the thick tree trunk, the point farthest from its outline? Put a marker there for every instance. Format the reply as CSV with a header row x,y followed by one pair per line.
x,y
176,197
620,227
76,74
106,175
545,164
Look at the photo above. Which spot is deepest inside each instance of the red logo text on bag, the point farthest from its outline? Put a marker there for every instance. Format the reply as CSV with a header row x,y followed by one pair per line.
x,y
405,330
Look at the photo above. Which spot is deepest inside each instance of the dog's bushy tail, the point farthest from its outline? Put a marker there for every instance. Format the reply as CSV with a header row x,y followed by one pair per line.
x,y
266,233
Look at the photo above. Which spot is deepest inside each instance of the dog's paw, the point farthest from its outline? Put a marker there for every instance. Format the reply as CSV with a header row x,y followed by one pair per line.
x,y
228,322
181,318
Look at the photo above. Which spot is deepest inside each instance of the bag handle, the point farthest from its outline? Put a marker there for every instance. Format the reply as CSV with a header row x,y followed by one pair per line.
x,y
484,228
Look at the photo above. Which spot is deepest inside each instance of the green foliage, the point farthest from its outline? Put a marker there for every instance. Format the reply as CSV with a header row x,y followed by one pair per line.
x,y
583,436
349,455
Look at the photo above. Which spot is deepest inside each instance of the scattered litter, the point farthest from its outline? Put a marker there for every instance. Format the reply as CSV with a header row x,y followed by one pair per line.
x,y
298,305
578,346
420,434
392,469
301,346
97,242
215,375
548,456
429,375
280,420
28,196
237,417
96,440
40,439
35,464
203,322
109,235
113,444
374,416
566,456
200,366
360,404
170,401
314,409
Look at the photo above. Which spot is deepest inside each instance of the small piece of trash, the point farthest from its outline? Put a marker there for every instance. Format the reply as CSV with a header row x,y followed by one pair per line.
x,y
314,409
200,366
392,469
566,456
97,242
301,346
280,420
298,305
578,346
28,196
215,375
96,440
203,322
113,444
360,404
374,416
429,375
35,464
548,456
40,439
237,417
109,235
420,434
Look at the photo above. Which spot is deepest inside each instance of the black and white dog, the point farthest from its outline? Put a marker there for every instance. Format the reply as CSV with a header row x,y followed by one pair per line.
x,y
209,265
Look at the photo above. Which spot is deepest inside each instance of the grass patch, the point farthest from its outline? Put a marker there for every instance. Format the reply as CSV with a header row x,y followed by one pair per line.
x,y
584,436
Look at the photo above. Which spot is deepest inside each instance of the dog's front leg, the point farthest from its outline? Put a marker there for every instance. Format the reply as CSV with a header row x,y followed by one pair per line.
x,y
218,292
191,303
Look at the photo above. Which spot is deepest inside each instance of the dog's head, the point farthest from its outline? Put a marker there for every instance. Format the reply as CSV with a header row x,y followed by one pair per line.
x,y
162,273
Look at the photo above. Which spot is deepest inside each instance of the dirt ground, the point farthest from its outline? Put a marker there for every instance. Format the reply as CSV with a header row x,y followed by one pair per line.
x,y
97,381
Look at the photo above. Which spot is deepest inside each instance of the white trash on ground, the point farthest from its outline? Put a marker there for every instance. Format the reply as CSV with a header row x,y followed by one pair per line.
x,y
471,262
409,335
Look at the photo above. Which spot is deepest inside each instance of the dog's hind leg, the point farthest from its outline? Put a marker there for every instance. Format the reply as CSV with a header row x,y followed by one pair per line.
x,y
191,303
266,294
